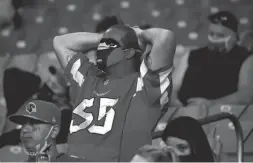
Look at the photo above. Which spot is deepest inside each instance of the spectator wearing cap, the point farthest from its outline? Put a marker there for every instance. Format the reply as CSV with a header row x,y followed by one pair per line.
x,y
41,122
218,73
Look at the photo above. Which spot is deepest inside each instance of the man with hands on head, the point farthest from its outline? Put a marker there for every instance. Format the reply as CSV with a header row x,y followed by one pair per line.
x,y
121,98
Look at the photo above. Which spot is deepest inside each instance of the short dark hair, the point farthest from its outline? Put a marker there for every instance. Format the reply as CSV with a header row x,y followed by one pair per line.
x,y
107,22
145,26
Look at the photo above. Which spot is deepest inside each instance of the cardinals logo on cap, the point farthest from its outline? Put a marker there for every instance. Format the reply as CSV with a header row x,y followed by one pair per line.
x,y
31,107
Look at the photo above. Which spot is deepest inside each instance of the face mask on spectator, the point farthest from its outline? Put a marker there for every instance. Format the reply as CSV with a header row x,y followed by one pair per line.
x,y
219,44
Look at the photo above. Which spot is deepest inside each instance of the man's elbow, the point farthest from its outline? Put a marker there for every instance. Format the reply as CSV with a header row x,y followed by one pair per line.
x,y
60,44
169,43
168,34
168,38
57,42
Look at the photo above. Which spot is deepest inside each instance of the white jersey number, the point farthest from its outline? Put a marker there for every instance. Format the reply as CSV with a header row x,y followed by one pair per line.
x,y
88,117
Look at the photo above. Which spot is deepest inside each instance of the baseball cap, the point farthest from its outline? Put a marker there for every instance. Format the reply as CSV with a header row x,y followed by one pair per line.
x,y
226,19
37,110
124,35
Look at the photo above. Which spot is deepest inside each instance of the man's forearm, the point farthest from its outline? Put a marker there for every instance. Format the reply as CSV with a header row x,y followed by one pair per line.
x,y
163,47
79,42
153,35
242,97
71,44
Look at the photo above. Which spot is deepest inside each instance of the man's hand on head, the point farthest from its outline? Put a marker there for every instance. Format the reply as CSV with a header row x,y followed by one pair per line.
x,y
92,56
71,44
137,30
141,42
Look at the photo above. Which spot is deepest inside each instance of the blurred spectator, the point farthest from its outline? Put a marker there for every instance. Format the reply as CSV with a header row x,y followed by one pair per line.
x,y
19,86
219,73
3,113
7,12
187,138
58,85
246,40
149,153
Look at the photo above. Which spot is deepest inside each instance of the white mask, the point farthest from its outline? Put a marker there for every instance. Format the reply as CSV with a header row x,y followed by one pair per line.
x,y
219,44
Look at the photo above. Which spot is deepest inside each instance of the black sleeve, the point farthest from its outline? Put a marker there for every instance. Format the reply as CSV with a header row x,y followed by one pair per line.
x,y
66,116
10,138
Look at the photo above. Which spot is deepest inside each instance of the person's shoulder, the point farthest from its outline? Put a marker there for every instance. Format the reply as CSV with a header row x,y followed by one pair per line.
x,y
196,54
241,48
248,61
198,50
70,158
242,51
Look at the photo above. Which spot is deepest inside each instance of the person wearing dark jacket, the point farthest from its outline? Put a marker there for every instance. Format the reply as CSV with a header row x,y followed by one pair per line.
x,y
189,141
41,123
216,74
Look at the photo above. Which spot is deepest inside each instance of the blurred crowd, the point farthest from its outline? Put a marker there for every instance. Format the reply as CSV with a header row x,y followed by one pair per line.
x,y
215,74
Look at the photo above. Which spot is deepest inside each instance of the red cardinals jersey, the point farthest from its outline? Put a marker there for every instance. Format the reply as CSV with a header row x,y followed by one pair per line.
x,y
113,117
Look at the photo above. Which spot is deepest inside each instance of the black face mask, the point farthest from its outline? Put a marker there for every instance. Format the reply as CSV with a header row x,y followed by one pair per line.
x,y
110,57
105,48
102,56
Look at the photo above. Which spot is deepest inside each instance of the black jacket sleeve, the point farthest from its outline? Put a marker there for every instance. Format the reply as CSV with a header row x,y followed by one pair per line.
x,y
10,138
